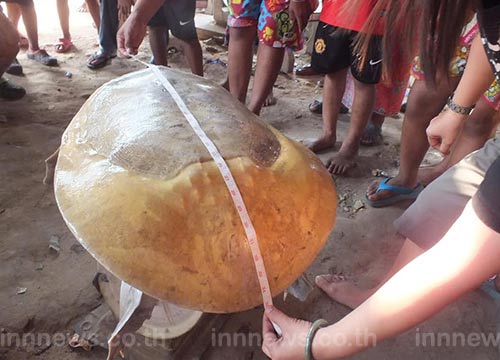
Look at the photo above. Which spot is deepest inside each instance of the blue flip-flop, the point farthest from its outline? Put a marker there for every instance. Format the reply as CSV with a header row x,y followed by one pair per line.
x,y
401,194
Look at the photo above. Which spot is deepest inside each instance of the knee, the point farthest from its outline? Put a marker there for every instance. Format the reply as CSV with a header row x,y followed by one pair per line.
x,y
421,106
241,34
364,88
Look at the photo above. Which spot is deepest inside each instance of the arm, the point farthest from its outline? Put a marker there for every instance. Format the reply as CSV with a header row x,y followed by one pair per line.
x,y
300,10
467,255
445,128
477,76
131,34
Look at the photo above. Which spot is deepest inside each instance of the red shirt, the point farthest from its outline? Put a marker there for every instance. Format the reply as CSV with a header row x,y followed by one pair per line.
x,y
333,14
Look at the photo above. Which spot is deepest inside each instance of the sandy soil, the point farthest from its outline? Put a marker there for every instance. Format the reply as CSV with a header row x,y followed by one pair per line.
x,y
58,285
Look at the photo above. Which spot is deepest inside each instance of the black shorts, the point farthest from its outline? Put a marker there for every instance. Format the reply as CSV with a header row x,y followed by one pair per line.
x,y
334,51
178,17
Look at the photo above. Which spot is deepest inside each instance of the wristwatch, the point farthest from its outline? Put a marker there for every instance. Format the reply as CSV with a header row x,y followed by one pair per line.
x,y
462,110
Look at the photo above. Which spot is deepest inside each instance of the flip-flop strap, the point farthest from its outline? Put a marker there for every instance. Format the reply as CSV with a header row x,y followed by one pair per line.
x,y
64,41
394,188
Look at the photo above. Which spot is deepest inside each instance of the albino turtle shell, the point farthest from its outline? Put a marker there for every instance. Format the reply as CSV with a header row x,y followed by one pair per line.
x,y
138,189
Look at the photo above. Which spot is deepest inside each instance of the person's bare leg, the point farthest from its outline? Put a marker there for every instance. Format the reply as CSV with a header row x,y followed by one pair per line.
x,y
350,295
158,43
423,105
194,56
480,127
269,62
9,46
362,108
333,91
30,23
93,8
63,12
9,43
240,54
13,13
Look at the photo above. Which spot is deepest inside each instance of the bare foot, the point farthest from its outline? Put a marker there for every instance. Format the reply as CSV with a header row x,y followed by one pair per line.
x,y
325,142
373,195
270,100
340,163
50,167
342,291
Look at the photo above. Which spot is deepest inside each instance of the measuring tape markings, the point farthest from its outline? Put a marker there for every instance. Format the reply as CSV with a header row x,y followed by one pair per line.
x,y
229,181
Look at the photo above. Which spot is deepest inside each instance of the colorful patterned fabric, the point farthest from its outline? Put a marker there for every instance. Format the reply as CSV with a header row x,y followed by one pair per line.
x,y
457,68
274,25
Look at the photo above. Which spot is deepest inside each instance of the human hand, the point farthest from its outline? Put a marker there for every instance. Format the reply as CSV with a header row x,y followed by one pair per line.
x,y
130,36
291,344
444,129
299,11
124,9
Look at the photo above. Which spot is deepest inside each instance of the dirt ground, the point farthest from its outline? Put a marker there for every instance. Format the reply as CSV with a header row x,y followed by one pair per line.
x,y
58,288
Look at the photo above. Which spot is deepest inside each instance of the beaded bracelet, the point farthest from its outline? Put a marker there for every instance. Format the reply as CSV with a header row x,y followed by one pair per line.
x,y
462,110
318,324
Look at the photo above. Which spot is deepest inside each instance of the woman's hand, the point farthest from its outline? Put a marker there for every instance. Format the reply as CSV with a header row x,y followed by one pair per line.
x,y
444,130
291,345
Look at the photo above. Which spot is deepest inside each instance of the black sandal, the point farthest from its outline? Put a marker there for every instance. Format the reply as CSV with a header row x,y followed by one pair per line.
x,y
15,68
99,60
372,135
10,91
316,107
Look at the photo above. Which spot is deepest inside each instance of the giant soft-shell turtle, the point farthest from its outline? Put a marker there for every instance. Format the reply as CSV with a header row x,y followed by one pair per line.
x,y
138,189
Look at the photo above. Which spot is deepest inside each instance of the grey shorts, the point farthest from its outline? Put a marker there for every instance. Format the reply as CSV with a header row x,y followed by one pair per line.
x,y
441,203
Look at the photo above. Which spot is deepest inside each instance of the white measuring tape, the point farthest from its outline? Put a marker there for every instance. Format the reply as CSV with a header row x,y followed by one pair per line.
x,y
230,183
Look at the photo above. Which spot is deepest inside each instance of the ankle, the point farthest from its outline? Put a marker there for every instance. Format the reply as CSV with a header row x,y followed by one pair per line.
x,y
350,146
329,134
402,180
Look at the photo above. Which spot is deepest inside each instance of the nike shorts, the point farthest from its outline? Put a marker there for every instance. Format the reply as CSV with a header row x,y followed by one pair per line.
x,y
178,17
334,51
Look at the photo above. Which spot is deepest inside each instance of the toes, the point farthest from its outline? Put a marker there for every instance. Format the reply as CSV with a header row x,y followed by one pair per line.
x,y
372,188
322,280
327,279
